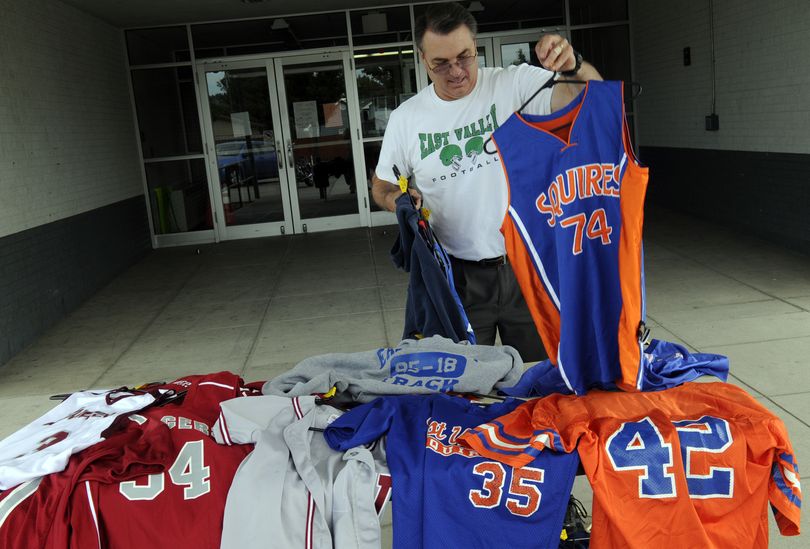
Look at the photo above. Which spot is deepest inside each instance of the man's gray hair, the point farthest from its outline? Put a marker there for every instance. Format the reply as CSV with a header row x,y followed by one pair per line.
x,y
443,19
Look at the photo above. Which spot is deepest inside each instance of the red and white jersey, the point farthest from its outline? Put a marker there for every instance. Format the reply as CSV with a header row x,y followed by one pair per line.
x,y
692,466
158,467
39,513
183,505
45,445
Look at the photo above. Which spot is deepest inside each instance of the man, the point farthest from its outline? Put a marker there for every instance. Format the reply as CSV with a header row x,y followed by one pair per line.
x,y
436,139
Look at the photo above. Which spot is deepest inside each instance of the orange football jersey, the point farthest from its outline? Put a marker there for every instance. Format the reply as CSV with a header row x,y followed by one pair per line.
x,y
692,466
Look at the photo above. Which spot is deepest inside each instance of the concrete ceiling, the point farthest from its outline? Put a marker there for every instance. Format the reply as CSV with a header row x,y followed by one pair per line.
x,y
146,13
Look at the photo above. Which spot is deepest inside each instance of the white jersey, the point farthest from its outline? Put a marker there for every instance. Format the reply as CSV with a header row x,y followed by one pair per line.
x,y
293,489
45,445
440,145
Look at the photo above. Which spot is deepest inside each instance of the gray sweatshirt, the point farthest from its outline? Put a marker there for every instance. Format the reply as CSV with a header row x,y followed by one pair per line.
x,y
433,364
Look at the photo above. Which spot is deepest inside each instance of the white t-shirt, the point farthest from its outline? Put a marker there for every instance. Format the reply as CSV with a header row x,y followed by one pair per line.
x,y
439,144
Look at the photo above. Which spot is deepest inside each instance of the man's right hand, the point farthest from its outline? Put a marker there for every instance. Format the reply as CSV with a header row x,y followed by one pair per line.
x,y
417,197
386,193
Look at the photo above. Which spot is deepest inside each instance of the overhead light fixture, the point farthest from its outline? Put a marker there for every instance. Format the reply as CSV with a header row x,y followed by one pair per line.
x,y
380,54
475,6
279,24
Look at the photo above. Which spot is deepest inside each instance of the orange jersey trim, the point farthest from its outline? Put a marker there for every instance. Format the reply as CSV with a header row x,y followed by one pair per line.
x,y
544,313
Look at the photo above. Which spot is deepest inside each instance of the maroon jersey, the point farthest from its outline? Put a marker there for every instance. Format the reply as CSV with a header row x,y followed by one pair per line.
x,y
187,499
38,513
160,466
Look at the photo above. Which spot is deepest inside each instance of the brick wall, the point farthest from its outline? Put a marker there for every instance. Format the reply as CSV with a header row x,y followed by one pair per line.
x,y
759,176
67,138
762,74
72,213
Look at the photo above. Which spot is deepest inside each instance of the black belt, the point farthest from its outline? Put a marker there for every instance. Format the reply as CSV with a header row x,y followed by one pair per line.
x,y
488,262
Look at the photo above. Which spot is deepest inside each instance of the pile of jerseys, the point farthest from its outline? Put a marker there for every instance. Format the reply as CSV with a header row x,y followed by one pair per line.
x,y
153,475
216,465
209,461
214,462
692,466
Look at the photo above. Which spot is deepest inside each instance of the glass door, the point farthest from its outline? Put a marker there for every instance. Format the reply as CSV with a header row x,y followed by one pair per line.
x,y
320,134
485,55
243,139
385,77
516,49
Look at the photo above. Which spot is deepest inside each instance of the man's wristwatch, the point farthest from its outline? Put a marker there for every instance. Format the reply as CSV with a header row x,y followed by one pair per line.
x,y
577,65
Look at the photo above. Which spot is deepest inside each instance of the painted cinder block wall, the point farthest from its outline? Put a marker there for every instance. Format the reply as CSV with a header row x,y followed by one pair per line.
x,y
754,173
72,212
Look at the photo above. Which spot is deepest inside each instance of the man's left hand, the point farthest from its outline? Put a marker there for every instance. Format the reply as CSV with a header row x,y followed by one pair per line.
x,y
555,53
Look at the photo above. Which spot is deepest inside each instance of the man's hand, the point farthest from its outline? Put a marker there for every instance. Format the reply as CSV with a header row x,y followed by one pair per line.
x,y
555,53
386,193
417,197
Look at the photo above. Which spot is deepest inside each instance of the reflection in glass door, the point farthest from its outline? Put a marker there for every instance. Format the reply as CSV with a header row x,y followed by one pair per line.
x,y
319,138
385,77
517,49
249,189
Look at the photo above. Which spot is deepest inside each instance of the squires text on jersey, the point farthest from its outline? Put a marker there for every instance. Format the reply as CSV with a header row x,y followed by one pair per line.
x,y
578,183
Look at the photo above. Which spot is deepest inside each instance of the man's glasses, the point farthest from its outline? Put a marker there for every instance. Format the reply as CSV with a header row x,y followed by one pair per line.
x,y
463,62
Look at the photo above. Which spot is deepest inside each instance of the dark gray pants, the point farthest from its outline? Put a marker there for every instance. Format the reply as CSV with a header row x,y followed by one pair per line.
x,y
492,299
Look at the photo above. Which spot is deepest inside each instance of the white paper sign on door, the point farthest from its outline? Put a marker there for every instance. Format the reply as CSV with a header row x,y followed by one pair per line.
x,y
240,122
306,119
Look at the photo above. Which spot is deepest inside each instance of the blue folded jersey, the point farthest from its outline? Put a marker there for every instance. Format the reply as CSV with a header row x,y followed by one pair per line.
x,y
433,306
446,495
666,365
670,365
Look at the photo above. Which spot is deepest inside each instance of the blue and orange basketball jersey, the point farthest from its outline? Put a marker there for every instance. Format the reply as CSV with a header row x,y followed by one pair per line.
x,y
573,235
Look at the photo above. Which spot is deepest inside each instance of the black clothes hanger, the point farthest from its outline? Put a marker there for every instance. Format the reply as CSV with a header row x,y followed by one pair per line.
x,y
548,84
493,397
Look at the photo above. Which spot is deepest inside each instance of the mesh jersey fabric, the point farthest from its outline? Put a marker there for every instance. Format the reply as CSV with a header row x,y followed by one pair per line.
x,y
448,496
691,466
573,235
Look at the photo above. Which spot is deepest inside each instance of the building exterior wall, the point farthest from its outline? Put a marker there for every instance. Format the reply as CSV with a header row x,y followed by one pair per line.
x,y
72,212
755,171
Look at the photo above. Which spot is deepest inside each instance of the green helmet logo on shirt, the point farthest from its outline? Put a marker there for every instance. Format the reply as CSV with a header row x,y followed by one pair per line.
x,y
451,155
474,147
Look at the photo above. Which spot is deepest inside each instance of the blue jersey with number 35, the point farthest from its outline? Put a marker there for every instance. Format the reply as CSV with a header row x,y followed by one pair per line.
x,y
445,495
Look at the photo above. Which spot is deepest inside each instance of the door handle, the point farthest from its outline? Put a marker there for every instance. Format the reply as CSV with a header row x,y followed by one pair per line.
x,y
290,160
279,156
